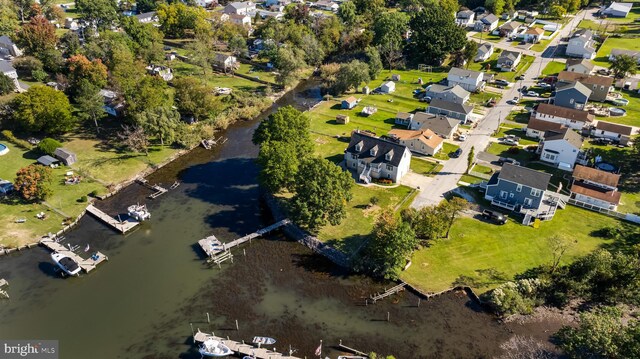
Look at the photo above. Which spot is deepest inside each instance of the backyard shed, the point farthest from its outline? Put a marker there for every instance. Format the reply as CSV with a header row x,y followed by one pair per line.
x,y
349,103
342,119
388,87
47,161
67,157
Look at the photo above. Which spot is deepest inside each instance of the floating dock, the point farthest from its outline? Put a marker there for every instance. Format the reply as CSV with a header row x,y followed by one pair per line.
x,y
86,264
242,348
120,226
158,190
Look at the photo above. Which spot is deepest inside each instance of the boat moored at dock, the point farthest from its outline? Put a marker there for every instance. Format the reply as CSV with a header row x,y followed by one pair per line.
x,y
214,348
263,340
66,263
139,212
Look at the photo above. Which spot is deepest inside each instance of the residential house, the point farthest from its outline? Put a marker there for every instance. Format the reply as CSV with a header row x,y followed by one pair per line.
x,y
617,9
372,157
448,93
509,29
518,189
599,85
533,35
595,187
451,109
572,95
146,17
509,15
484,52
538,128
71,24
65,156
572,118
508,60
6,187
349,103
239,8
486,22
7,69
240,19
472,81
562,149
403,118
162,71
112,104
388,87
226,62
425,142
264,14
613,131
581,45
270,3
441,125
617,52
464,18
8,47
526,14
581,66
327,5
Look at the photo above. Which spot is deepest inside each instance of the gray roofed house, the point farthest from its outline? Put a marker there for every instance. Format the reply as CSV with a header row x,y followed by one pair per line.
x,y
486,22
617,9
5,186
403,118
145,17
484,52
448,93
508,60
582,66
7,46
467,79
572,95
455,110
465,18
241,8
65,156
509,29
226,62
7,69
373,157
47,160
581,45
562,149
441,125
617,52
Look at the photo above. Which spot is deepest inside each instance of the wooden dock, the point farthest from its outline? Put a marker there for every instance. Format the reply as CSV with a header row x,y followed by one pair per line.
x,y
86,264
158,190
240,348
387,292
3,283
121,226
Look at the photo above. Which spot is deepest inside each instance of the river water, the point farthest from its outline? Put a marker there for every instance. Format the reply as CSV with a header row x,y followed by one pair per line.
x,y
144,301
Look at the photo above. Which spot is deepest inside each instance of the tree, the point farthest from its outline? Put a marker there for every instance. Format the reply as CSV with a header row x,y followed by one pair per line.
x,y
146,5
49,145
37,36
470,51
322,191
147,39
347,13
101,12
285,125
470,158
6,84
350,76
495,6
374,61
559,246
70,41
238,46
9,23
435,35
299,13
279,163
451,209
312,49
450,6
134,138
33,182
391,243
149,93
288,62
623,65
557,11
194,97
23,7
26,65
201,52
177,19
390,27
601,334
161,122
80,68
90,103
43,109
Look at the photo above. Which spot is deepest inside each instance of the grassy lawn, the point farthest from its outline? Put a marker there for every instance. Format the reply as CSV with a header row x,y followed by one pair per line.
x,y
424,167
482,66
182,68
491,254
596,25
501,150
521,68
354,229
481,98
488,37
542,45
482,169
257,72
471,179
602,56
633,14
447,149
516,130
633,110
553,68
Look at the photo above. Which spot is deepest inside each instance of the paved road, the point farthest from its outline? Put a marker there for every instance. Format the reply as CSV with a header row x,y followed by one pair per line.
x,y
432,190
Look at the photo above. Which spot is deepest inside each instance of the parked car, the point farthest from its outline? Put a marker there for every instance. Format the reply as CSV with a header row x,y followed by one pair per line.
x,y
508,141
502,82
457,153
503,160
425,99
491,102
523,89
494,216
533,94
544,85
603,141
462,137
520,77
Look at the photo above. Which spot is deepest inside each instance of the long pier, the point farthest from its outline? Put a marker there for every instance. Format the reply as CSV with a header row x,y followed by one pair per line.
x,y
243,349
86,264
120,226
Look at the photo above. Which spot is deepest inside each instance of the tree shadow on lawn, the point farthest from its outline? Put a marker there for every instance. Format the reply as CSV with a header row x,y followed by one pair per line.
x,y
482,278
627,241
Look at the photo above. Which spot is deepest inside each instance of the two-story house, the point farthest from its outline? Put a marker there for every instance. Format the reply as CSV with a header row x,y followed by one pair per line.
x,y
484,52
472,81
441,125
486,22
372,157
572,95
508,60
600,86
595,187
562,149
464,18
240,8
509,29
581,66
613,131
448,93
581,45
538,128
424,142
574,119
517,188
451,109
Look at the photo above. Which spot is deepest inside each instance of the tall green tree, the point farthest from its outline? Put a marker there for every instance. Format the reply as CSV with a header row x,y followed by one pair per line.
x,y
435,35
470,51
495,6
285,125
347,13
160,122
9,22
37,36
194,97
470,158
6,84
374,61
322,191
350,76
146,5
390,27
101,12
288,62
201,53
557,11
33,182
623,66
90,103
279,161
23,7
43,109
238,46
147,39
177,20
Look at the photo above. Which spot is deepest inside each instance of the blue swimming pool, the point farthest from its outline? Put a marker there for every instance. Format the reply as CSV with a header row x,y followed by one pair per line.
x,y
3,149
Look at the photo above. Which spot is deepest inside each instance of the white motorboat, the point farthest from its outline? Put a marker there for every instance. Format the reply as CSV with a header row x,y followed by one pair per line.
x,y
263,340
214,348
66,263
139,212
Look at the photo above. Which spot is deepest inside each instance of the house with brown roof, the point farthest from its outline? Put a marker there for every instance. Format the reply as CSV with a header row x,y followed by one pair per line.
x,y
572,118
562,149
595,187
537,128
581,66
533,35
613,131
425,142
349,103
403,118
599,85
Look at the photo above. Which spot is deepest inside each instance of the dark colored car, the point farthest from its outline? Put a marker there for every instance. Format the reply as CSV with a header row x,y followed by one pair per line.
x,y
494,216
503,160
457,153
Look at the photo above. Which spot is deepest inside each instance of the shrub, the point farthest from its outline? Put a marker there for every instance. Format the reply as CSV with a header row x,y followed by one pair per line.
x,y
94,193
374,200
518,297
9,136
49,145
39,75
83,199
513,150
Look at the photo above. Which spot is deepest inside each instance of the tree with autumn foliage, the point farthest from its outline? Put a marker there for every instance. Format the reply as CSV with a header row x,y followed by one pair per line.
x,y
37,36
33,182
81,68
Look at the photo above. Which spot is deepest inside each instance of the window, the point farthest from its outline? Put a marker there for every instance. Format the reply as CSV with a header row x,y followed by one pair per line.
x,y
511,195
519,188
571,101
535,192
503,194
528,201
389,168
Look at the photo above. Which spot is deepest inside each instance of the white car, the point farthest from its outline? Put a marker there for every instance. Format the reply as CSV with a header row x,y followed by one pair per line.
x,y
462,137
533,94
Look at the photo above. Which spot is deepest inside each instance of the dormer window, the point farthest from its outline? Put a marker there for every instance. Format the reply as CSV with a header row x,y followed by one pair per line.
x,y
389,155
359,146
374,150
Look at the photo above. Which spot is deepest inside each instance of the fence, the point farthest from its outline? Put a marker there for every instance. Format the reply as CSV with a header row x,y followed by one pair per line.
x,y
625,216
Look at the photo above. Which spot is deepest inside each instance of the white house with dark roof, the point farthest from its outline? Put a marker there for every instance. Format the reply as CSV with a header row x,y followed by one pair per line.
x,y
581,45
469,80
581,66
486,22
538,128
464,18
617,9
448,93
595,187
508,60
372,157
441,125
613,131
146,17
484,52
562,149
574,119
8,47
226,62
458,111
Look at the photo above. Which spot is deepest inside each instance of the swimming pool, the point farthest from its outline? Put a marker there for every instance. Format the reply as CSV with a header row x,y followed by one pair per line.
x,y
604,166
3,149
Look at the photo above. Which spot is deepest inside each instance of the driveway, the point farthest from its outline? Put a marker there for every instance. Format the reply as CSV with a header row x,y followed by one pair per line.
x,y
479,137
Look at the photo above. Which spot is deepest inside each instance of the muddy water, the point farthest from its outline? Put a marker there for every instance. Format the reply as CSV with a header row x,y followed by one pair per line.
x,y
143,302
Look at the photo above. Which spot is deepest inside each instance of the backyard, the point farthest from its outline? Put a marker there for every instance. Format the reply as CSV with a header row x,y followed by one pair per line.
x,y
553,68
602,56
522,67
632,117
501,150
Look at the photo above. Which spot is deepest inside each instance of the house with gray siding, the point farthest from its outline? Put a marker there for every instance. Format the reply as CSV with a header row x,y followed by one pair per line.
x,y
469,80
572,95
442,125
448,93
373,157
600,86
581,45
450,109
486,22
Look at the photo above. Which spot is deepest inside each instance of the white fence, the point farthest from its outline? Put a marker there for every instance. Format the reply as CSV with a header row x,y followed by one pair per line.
x,y
625,216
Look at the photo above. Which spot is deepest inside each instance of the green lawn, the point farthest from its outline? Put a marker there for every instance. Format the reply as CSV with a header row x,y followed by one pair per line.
x,y
553,68
257,73
542,45
349,235
633,14
424,167
633,110
182,68
487,254
447,149
482,66
602,56
596,25
481,98
482,169
521,68
516,130
488,37
471,179
503,151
